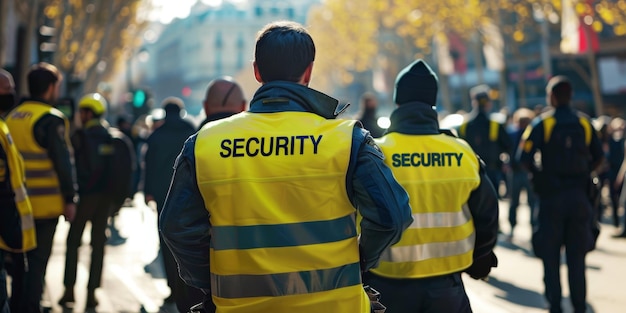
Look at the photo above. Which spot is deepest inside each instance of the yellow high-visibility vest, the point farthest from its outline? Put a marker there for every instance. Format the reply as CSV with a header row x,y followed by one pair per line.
x,y
283,228
439,172
42,182
15,164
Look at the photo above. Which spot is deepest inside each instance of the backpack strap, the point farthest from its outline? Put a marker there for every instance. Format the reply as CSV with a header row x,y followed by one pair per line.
x,y
494,129
462,130
550,122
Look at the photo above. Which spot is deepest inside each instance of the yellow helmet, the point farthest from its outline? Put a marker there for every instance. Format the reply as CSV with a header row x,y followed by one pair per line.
x,y
94,102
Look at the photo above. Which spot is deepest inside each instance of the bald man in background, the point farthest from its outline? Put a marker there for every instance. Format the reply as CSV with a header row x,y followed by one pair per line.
x,y
224,98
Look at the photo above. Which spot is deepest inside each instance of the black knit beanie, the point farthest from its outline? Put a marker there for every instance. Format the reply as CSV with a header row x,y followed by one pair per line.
x,y
416,83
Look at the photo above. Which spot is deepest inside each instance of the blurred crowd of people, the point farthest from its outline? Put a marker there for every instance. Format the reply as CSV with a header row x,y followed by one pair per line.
x,y
85,170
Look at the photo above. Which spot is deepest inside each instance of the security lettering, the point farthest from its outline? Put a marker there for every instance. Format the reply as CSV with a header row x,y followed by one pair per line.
x,y
270,146
421,159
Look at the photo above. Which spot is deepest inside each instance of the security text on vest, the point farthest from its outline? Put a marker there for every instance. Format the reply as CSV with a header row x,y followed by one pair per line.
x,y
269,146
431,159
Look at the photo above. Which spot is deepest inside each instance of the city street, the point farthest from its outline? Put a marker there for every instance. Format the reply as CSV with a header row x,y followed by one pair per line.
x,y
515,286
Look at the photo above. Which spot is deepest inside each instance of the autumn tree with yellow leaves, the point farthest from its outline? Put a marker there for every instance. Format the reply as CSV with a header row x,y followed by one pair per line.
x,y
355,36
91,36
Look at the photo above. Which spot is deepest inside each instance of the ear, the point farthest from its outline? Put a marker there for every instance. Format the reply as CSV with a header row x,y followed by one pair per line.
x,y
257,74
242,107
306,77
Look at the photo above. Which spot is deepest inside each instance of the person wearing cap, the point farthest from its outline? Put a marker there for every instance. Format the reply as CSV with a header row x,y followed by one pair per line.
x,y
93,152
455,208
261,212
570,151
163,145
486,136
41,134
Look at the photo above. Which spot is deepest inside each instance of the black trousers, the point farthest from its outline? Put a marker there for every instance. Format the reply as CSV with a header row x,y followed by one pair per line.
x,y
27,285
94,208
426,295
564,219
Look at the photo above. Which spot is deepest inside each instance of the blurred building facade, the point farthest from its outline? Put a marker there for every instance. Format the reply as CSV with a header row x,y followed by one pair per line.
x,y
213,41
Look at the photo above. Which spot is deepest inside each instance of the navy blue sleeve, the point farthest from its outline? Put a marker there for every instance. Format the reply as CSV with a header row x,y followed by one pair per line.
x,y
379,198
184,222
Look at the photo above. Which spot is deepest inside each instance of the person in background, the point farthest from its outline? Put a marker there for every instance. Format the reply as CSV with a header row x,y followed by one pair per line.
x,y
367,115
570,151
486,136
94,150
41,134
303,175
455,207
17,227
163,145
223,98
519,176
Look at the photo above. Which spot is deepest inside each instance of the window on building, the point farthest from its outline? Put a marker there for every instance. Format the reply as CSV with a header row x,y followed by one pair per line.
x,y
258,11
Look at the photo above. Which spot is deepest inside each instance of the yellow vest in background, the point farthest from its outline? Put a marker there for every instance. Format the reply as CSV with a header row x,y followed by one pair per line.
x,y
438,172
42,181
15,163
283,229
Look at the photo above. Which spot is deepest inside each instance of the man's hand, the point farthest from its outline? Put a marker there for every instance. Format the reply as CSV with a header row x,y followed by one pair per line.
x,y
69,212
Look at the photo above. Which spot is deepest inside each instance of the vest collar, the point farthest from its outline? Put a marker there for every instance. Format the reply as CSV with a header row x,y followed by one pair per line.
x,y
281,96
414,118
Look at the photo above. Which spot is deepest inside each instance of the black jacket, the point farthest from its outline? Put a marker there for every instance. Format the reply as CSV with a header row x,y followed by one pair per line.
x,y
10,221
164,145
477,136
93,152
420,119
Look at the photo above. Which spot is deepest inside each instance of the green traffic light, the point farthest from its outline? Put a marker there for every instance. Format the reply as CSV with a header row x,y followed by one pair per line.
x,y
139,98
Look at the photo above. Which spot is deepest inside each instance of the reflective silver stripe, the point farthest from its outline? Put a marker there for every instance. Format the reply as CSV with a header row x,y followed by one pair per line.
x,y
285,284
28,222
427,251
32,156
40,173
446,219
44,191
20,193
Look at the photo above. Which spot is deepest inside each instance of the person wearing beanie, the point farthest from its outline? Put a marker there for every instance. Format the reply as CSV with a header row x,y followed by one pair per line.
x,y
454,206
163,146
486,136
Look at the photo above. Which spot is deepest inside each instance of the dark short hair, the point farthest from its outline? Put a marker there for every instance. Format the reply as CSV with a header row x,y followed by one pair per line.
x,y
283,51
40,77
561,88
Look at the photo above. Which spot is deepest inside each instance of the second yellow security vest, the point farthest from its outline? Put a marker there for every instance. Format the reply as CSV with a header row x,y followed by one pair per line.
x,y
15,164
42,181
439,172
283,228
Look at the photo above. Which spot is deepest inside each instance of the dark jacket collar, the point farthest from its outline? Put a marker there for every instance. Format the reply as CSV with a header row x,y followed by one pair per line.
x,y
216,116
280,96
414,118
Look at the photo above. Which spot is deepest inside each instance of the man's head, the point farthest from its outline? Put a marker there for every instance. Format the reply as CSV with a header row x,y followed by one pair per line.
x,y
522,117
172,106
44,80
90,106
7,91
480,98
559,91
223,95
284,51
416,83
